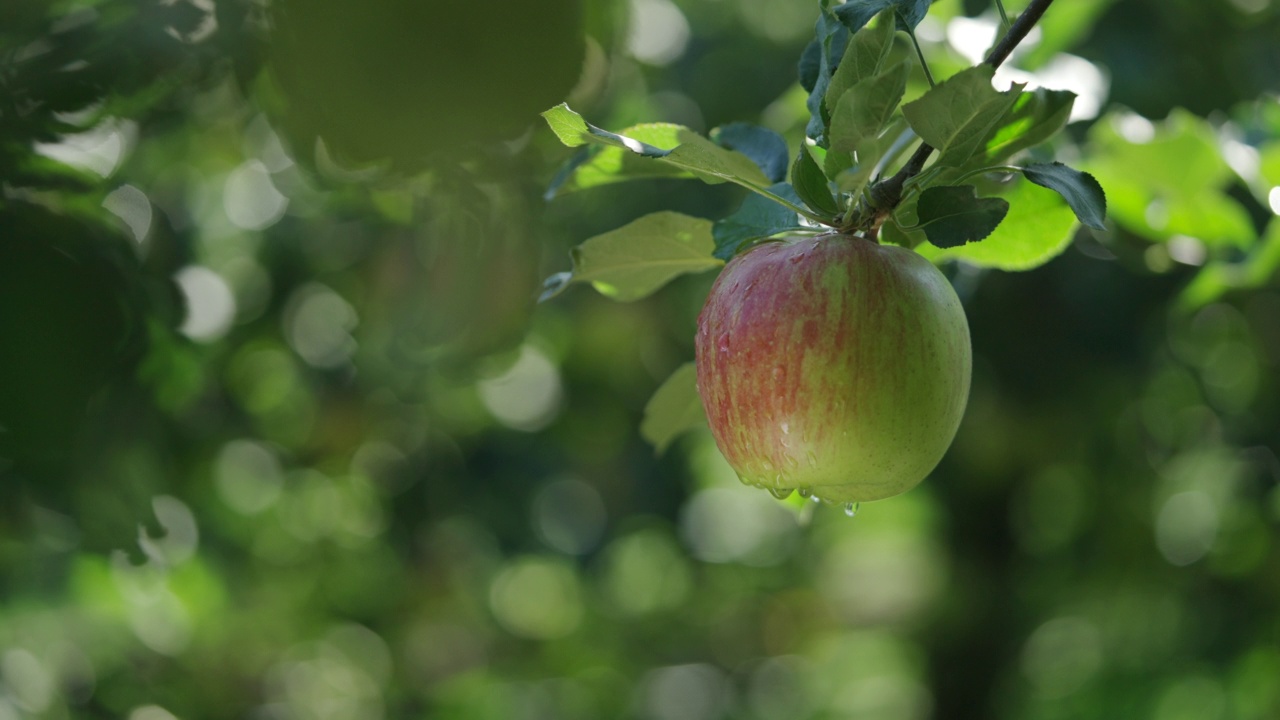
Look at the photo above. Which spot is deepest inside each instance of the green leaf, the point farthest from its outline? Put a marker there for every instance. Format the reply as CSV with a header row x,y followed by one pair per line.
x,y
1035,117
866,157
810,65
573,131
811,185
675,408
1081,191
953,215
713,164
1269,166
756,219
857,13
1218,278
959,115
694,153
1170,184
765,147
1037,229
894,234
863,58
862,113
638,258
616,164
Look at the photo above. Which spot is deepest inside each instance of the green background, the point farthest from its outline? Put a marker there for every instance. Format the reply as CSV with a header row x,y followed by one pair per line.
x,y
285,436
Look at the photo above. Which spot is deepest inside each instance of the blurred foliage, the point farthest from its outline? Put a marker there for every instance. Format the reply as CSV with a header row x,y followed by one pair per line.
x,y
284,435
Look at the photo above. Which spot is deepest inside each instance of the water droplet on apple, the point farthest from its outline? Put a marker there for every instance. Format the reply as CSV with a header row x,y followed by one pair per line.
x,y
851,509
805,492
768,466
812,457
816,499
786,428
780,493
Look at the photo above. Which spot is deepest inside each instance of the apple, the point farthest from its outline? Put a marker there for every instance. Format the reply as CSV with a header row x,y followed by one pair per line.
x,y
834,366
417,82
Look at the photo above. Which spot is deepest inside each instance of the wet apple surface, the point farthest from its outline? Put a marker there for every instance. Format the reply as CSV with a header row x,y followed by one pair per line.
x,y
834,366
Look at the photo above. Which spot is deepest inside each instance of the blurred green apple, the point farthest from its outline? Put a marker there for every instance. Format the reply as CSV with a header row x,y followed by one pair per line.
x,y
834,366
411,81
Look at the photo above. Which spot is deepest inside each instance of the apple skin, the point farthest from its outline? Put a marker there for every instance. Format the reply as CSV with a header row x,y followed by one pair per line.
x,y
833,365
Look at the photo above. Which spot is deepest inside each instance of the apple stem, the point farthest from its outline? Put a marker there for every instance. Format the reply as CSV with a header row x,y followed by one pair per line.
x,y
886,194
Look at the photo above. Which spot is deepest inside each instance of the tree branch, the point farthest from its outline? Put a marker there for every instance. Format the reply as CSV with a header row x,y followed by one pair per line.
x,y
886,195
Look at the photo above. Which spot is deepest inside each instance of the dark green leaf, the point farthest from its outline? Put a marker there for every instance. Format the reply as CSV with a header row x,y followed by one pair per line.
x,y
959,115
757,218
893,234
566,172
1081,190
952,215
857,13
765,147
811,185
832,39
674,408
1037,229
810,65
862,113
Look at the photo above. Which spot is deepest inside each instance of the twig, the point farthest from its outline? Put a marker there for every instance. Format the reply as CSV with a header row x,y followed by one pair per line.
x,y
887,194
1004,17
920,53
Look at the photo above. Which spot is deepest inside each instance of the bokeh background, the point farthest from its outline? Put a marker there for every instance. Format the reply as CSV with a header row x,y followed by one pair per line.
x,y
283,434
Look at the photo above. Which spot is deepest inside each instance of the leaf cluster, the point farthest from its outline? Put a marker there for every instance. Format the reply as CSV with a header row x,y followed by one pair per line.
x,y
858,132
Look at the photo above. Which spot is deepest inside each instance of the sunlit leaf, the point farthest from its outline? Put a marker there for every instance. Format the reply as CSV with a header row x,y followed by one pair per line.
x,y
615,164
692,152
1036,116
1170,184
1220,277
959,115
1038,227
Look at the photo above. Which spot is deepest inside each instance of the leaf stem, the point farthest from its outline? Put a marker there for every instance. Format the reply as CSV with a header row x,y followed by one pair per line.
x,y
1004,16
991,169
784,202
920,54
888,193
